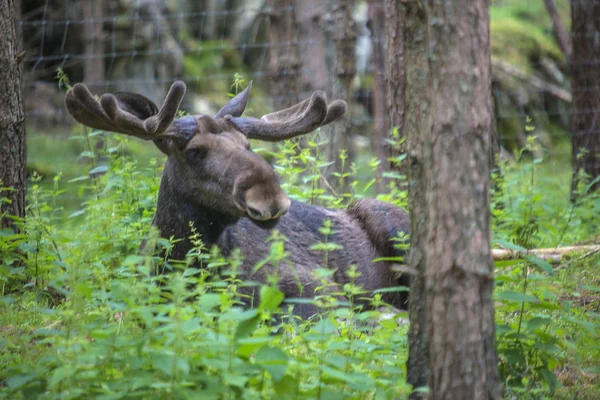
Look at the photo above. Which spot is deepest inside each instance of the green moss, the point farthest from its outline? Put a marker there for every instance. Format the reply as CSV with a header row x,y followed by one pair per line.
x,y
521,32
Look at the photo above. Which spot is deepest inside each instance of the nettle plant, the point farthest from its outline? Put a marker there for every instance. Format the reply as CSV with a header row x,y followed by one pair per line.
x,y
538,327
214,183
93,322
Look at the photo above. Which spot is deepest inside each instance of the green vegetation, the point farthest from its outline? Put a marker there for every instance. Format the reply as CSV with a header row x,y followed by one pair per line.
x,y
82,316
521,32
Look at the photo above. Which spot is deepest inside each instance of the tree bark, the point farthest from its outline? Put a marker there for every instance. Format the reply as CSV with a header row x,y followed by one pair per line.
x,y
459,268
344,41
416,103
395,69
12,121
585,81
381,126
559,29
94,42
284,58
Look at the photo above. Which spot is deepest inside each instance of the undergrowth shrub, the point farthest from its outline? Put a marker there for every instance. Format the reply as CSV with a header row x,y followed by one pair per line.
x,y
84,315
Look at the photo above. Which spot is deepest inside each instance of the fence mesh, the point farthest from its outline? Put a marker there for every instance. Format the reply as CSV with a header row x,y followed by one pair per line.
x,y
144,45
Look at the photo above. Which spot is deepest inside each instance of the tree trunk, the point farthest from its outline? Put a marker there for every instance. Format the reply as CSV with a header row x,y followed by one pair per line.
x,y
381,126
94,43
315,39
585,81
395,69
559,29
416,102
284,59
12,121
344,41
459,268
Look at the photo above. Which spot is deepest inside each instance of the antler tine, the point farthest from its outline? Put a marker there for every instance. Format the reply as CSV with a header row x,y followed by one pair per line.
x,y
113,114
85,109
299,119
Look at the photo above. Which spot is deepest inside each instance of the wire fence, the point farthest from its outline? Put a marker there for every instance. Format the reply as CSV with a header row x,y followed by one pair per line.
x,y
145,45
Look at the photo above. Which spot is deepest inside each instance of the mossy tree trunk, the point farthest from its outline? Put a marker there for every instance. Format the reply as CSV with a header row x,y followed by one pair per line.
x,y
585,81
12,121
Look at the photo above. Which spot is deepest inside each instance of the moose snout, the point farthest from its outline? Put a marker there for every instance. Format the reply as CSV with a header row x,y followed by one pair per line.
x,y
264,211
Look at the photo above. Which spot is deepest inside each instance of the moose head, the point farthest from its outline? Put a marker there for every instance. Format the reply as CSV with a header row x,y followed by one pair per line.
x,y
210,163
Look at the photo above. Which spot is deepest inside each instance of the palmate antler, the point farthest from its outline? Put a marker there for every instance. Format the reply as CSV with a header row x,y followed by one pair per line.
x,y
299,119
135,115
124,112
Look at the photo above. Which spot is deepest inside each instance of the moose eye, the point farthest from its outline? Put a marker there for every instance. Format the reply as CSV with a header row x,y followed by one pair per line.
x,y
196,153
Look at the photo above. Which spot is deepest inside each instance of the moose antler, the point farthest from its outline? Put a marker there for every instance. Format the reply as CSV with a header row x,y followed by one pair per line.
x,y
124,112
299,119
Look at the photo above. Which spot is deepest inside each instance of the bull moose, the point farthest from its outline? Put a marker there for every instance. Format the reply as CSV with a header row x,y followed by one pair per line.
x,y
232,196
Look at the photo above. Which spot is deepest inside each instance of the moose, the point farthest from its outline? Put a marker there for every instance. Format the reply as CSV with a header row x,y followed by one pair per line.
x,y
233,197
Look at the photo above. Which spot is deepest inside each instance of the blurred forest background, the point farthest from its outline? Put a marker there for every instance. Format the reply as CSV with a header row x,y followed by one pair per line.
x,y
288,48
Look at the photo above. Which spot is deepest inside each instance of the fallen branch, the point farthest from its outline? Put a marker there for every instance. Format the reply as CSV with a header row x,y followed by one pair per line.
x,y
551,255
532,80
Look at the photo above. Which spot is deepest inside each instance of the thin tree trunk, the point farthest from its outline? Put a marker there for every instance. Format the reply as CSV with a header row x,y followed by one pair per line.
x,y
344,40
585,82
394,72
284,59
559,29
381,126
416,103
94,43
12,121
459,268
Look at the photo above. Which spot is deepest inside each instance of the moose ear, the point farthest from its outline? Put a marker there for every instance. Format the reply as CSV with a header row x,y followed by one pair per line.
x,y
180,133
236,106
136,104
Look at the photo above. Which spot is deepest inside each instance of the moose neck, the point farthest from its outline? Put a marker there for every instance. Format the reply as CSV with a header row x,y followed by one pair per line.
x,y
174,213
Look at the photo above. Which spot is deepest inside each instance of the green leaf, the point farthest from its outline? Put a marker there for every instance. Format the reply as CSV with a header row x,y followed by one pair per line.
x,y
516,297
273,360
246,327
17,381
337,374
270,298
543,265
287,387
163,362
235,380
509,245
76,214
591,288
100,169
392,289
61,373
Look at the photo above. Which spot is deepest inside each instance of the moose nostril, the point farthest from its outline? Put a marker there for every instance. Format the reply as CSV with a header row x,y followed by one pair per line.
x,y
254,213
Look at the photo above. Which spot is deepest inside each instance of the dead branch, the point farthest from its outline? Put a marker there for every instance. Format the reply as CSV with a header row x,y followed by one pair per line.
x,y
560,32
531,80
551,255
